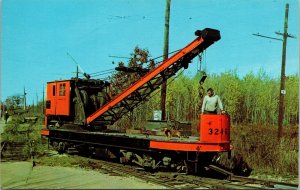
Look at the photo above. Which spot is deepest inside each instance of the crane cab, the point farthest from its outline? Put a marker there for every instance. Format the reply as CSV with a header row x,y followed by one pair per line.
x,y
58,98
71,101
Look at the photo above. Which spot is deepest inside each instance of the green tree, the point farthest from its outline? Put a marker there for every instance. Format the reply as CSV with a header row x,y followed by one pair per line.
x,y
14,103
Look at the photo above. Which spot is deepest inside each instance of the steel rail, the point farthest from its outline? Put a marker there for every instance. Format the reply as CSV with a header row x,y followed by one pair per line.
x,y
182,181
262,182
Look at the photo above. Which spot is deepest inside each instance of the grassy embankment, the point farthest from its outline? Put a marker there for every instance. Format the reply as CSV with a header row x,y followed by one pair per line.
x,y
263,151
16,132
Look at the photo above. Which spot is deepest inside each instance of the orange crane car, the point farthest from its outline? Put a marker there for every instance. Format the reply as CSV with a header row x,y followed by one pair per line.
x,y
79,110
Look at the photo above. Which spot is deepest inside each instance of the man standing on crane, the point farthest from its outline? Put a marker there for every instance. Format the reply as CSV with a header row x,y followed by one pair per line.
x,y
211,103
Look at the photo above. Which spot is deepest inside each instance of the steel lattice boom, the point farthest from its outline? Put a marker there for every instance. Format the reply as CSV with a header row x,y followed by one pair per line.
x,y
141,89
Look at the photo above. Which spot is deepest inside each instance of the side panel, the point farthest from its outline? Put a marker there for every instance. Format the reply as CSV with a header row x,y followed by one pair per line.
x,y
191,147
214,128
51,98
63,98
100,139
45,132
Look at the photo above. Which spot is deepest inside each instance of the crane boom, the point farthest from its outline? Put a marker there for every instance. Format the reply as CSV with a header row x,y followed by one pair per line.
x,y
141,89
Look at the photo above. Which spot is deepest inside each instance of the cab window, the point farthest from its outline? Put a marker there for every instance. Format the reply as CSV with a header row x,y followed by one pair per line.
x,y
53,90
62,89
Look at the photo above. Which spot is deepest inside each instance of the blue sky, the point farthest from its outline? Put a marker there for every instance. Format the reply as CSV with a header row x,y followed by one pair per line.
x,y
38,34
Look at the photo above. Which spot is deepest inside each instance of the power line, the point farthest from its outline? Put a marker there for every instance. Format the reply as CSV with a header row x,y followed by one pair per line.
x,y
120,57
104,71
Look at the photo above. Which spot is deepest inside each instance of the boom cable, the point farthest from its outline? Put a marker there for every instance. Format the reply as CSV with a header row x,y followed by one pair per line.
x,y
108,71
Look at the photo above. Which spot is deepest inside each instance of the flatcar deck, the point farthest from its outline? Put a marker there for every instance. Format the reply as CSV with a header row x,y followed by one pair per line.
x,y
136,141
191,139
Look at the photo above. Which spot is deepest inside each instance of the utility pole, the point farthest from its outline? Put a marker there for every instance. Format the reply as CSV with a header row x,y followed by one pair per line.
x,y
43,107
77,71
37,102
24,99
165,57
282,81
32,107
285,35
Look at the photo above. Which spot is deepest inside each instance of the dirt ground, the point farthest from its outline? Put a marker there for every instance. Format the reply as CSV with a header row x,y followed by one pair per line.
x,y
20,175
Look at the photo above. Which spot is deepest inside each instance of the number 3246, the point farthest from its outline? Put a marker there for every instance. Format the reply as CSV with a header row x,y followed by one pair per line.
x,y
212,131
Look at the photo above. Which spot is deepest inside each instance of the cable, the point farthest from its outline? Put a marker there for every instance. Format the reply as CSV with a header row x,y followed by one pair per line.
x,y
109,71
163,55
169,82
102,71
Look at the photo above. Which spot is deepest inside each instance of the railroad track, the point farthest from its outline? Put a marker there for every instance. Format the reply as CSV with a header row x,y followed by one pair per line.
x,y
267,183
13,151
182,181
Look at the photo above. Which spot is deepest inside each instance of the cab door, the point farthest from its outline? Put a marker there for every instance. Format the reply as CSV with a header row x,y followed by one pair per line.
x,y
51,99
63,98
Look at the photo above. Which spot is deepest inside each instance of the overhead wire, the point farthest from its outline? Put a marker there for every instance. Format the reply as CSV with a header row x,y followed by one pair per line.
x,y
104,71
109,71
161,57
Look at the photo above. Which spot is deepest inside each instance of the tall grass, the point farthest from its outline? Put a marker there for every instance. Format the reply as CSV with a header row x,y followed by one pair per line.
x,y
263,151
252,99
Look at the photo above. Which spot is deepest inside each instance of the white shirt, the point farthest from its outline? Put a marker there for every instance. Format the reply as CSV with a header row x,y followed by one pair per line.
x,y
211,103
